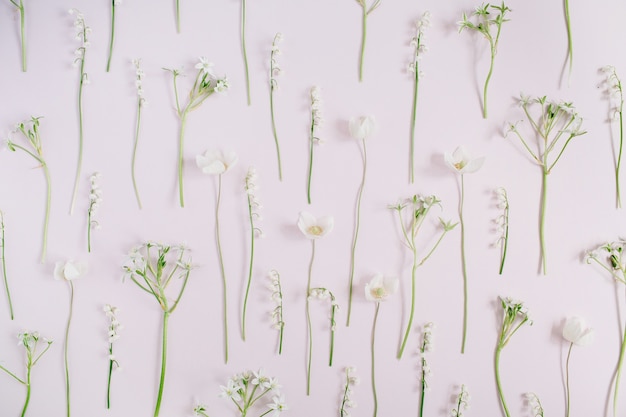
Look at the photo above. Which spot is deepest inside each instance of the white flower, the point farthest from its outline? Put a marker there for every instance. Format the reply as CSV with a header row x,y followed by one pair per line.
x,y
277,405
221,85
362,127
314,228
231,391
461,161
261,380
576,331
69,270
205,66
380,288
216,162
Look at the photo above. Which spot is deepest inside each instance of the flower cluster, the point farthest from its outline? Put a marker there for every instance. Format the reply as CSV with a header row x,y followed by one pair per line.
x,y
278,321
502,224
275,69
82,35
346,400
417,42
139,76
254,205
614,88
316,113
534,404
246,388
113,335
325,294
462,403
616,98
30,340
95,198
427,346
610,256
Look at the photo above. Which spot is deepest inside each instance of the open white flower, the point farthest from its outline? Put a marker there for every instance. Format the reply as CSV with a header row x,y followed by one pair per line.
x,y
380,288
69,270
216,162
205,66
277,405
462,162
314,228
362,127
576,331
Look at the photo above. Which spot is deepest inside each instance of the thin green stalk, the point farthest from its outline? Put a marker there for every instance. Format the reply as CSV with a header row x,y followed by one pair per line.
x,y
619,157
112,40
280,168
357,225
245,299
80,132
363,39
618,373
567,394
136,142
463,263
373,360
505,244
89,231
109,377
542,218
243,47
311,143
413,116
44,248
12,375
181,141
177,16
27,400
411,314
65,351
493,52
308,320
4,265
423,387
222,269
166,316
570,46
498,383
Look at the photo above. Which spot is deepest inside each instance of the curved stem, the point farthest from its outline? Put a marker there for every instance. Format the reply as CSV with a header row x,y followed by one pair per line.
x,y
112,40
463,263
498,383
280,168
65,350
79,165
373,341
493,52
44,247
567,393
181,143
109,378
134,158
4,265
245,299
411,314
222,269
308,320
570,46
542,217
166,316
22,34
363,39
413,116
243,47
619,159
357,225
618,373
28,389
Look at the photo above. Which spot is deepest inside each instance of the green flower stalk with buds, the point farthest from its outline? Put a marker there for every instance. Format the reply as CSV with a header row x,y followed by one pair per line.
x,y
462,402
534,404
254,205
316,121
205,84
321,293
278,321
419,48
19,5
616,97
427,346
82,35
141,101
154,267
611,257
346,398
29,340
483,26
113,335
275,71
30,130
412,214
112,36
366,12
554,126
4,264
514,316
502,225
95,198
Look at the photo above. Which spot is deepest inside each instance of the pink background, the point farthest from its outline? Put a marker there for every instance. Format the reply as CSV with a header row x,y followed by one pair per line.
x,y
321,46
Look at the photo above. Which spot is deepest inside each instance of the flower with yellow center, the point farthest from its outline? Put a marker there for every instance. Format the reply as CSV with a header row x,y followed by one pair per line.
x,y
314,228
462,162
380,288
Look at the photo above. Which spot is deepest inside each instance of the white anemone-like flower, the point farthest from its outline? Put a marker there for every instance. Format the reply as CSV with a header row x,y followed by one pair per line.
x,y
462,162
205,66
277,405
576,331
314,228
362,127
380,288
69,270
216,162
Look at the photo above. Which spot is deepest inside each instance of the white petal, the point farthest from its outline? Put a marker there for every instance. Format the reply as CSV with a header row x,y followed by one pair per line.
x,y
305,221
474,165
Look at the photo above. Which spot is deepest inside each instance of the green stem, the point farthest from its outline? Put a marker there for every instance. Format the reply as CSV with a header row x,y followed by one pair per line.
x,y
177,16
308,320
413,116
363,39
109,377
618,373
412,313
89,229
280,168
311,143
498,383
139,100
44,248
222,269
27,400
112,40
65,350
22,34
4,265
493,52
567,393
373,359
505,244
245,299
542,217
166,316
243,47
357,225
79,165
570,46
619,159
463,263
181,143
423,387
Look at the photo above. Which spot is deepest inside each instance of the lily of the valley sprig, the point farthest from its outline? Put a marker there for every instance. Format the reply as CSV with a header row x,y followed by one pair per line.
x,y
502,225
19,5
112,35
275,71
484,22
218,163
576,333
205,84
316,121
412,213
112,336
426,346
313,229
3,259
366,12
95,198
554,125
461,162
82,35
141,101
278,320
514,316
419,48
30,130
68,271
321,293
379,289
30,341
611,257
154,267
534,404
254,206
347,400
243,48
361,128
462,402
616,98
